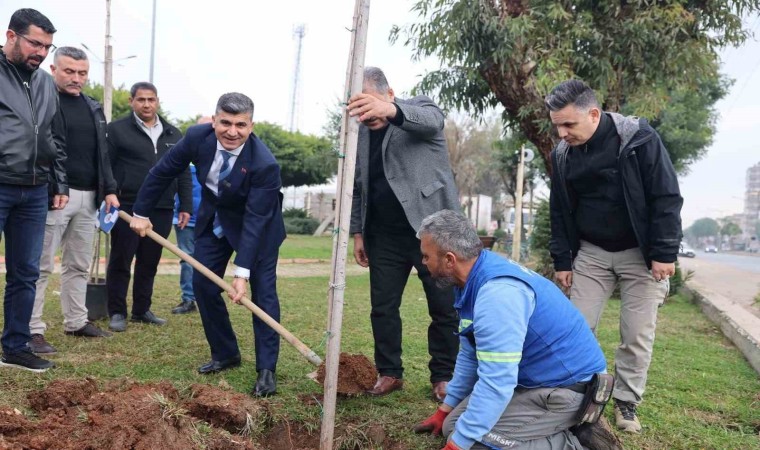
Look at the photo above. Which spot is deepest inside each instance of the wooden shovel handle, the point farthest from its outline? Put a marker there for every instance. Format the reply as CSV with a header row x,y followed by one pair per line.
x,y
282,331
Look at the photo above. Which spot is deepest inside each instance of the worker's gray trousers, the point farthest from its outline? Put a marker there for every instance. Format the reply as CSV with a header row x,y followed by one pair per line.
x,y
534,419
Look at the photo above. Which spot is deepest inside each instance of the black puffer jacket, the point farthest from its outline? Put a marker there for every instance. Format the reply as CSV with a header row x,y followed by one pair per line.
x,y
132,156
650,187
31,152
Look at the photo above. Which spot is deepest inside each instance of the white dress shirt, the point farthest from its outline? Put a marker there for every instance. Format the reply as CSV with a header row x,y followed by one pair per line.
x,y
153,132
212,182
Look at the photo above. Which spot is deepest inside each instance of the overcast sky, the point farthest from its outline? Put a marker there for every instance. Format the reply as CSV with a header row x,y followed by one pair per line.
x,y
203,51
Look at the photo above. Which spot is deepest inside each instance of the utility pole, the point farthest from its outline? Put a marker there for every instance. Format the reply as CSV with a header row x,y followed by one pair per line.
x,y
152,43
108,68
299,32
518,207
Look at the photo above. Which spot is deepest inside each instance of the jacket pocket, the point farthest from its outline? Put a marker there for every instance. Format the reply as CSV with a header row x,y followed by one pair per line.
x,y
430,188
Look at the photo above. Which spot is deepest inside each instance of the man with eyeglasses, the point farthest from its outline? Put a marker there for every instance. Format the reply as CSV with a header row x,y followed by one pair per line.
x,y
32,155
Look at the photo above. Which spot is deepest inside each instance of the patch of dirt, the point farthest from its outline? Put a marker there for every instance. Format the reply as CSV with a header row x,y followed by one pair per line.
x,y
229,410
291,436
75,414
356,374
294,436
122,414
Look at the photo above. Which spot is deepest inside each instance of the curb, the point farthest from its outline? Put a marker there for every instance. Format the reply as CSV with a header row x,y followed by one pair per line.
x,y
738,325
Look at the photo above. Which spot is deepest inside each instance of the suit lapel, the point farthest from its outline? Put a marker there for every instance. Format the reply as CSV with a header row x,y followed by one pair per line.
x,y
239,169
362,149
387,139
206,158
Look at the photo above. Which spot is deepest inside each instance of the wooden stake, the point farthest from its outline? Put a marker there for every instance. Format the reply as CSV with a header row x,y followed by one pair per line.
x,y
266,318
344,198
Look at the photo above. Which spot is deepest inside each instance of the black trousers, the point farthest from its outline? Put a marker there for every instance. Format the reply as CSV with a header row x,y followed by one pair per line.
x,y
215,253
391,258
126,245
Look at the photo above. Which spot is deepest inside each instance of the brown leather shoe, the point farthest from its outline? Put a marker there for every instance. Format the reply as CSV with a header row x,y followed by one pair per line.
x,y
386,385
439,390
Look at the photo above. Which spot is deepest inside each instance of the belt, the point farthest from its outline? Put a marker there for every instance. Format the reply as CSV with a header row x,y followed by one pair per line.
x,y
577,387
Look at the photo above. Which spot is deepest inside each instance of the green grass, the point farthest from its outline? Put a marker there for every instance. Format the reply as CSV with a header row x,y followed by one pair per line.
x,y
295,246
701,392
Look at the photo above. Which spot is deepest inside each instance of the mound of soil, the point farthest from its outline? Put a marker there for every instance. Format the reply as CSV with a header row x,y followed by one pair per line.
x,y
123,414
356,374
75,414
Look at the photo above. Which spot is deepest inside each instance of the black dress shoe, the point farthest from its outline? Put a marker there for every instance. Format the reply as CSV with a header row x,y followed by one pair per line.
x,y
214,366
184,307
266,384
148,317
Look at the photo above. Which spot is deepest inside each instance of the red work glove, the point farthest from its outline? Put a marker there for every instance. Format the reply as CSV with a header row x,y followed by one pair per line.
x,y
432,424
451,446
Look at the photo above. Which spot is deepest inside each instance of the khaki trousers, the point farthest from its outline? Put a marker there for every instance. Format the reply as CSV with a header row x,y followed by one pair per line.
x,y
596,272
73,229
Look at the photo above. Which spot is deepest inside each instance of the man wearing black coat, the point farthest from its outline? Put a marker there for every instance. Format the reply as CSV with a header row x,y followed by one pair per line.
x,y
136,143
73,228
32,158
615,219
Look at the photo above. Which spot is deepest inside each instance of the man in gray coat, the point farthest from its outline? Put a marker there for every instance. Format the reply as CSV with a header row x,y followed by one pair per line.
x,y
402,175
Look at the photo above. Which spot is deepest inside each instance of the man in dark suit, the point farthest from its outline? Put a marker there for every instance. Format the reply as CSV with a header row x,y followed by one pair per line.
x,y
402,175
135,142
240,211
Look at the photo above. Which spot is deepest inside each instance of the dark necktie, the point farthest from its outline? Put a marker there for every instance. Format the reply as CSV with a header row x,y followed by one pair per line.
x,y
224,172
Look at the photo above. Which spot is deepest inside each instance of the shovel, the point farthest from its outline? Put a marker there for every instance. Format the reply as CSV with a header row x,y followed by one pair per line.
x,y
287,335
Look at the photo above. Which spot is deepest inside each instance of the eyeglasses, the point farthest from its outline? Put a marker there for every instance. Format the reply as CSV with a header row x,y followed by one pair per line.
x,y
36,44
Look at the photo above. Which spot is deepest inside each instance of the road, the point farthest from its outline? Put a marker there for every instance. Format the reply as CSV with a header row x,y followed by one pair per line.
x,y
735,276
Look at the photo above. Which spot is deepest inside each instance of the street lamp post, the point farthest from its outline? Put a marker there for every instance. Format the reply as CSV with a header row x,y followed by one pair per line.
x,y
108,68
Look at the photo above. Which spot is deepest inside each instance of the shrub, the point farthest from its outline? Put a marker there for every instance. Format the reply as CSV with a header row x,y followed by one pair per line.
x,y
482,232
678,279
499,233
294,213
539,241
297,225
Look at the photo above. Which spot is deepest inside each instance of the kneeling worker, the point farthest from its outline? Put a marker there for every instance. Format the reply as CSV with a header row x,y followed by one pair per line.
x,y
526,355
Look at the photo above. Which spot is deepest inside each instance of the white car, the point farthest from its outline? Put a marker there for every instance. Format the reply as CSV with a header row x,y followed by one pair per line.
x,y
685,250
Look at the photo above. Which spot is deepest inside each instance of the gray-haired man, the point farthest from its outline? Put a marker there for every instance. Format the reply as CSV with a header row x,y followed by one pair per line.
x,y
88,169
402,175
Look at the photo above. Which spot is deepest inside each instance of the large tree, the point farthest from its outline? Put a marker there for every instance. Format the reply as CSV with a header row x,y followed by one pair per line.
x,y
704,227
651,58
470,145
304,159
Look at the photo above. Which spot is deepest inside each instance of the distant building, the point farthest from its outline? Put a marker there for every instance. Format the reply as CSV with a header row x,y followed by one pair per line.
x,y
478,208
751,216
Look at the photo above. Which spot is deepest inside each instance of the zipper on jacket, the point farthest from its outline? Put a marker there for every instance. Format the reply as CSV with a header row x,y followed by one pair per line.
x,y
28,91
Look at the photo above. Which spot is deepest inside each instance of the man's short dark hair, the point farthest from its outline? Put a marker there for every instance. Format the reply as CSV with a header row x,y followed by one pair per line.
x,y
376,77
23,18
142,85
235,103
74,53
571,92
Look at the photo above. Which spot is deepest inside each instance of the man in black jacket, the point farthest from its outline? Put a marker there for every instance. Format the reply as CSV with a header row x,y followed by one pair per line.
x,y
31,155
90,182
615,219
136,143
